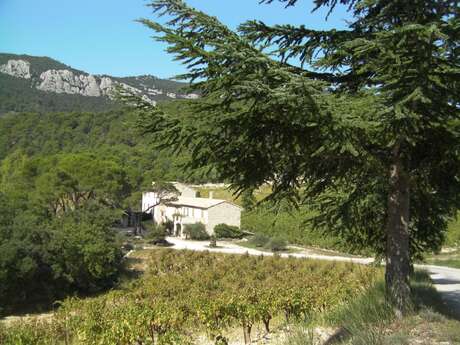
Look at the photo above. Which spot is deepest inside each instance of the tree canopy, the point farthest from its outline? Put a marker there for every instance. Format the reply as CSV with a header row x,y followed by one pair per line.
x,y
365,127
111,135
45,258
56,227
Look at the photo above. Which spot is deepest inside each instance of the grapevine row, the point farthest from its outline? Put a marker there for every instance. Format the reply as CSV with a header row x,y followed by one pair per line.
x,y
186,293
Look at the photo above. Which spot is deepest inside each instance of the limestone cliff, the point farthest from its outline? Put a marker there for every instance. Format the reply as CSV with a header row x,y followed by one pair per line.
x,y
74,82
65,81
16,68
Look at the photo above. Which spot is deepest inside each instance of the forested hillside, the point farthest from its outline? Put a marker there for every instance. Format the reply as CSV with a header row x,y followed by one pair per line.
x,y
72,162
111,134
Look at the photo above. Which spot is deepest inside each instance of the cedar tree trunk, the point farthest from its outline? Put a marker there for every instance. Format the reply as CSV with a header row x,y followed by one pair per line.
x,y
397,246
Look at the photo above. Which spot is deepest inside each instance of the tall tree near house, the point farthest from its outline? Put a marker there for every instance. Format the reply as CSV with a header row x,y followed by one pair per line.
x,y
69,181
165,192
365,128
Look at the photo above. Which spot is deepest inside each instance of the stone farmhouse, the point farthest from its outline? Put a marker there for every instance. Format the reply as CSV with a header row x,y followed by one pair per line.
x,y
190,209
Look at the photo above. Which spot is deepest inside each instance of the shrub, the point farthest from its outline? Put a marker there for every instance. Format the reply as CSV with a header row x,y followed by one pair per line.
x,y
42,260
169,225
30,333
156,231
301,288
213,242
196,231
259,240
157,235
276,244
227,231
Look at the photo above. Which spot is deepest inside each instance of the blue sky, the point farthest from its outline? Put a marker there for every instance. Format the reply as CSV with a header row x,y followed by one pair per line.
x,y
102,37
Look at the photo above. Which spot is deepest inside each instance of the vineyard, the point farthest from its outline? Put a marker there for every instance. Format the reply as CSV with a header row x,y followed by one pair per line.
x,y
186,294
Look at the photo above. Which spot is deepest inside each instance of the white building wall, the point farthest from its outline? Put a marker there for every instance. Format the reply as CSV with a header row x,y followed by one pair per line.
x,y
192,215
163,213
225,213
148,200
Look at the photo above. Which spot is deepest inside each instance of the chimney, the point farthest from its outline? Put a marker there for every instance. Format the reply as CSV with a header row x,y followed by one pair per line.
x,y
211,194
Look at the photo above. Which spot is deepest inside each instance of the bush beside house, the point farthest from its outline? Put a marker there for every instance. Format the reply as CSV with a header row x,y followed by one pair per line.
x,y
157,234
274,244
227,231
196,231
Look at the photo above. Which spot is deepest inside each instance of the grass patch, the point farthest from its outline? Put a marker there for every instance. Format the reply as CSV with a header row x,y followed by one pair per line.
x,y
454,263
250,245
289,225
453,233
369,320
366,310
302,335
425,295
450,259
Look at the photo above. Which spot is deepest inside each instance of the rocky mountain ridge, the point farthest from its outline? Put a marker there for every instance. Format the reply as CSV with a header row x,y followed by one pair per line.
x,y
51,76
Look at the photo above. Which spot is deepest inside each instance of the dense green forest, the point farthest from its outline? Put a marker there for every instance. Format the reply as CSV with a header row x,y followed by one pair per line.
x,y
112,135
56,217
65,178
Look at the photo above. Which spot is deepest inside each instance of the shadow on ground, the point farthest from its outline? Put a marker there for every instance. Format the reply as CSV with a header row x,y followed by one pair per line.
x,y
441,293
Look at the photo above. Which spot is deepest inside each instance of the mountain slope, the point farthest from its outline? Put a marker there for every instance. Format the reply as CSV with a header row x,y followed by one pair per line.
x,y
38,64
30,83
16,95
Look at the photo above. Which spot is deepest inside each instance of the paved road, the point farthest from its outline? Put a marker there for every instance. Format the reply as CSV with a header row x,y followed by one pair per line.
x,y
446,280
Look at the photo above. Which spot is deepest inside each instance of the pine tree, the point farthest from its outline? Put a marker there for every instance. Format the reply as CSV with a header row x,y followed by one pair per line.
x,y
365,128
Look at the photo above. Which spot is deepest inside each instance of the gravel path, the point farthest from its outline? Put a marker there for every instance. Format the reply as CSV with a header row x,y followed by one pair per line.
x,y
232,248
446,280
